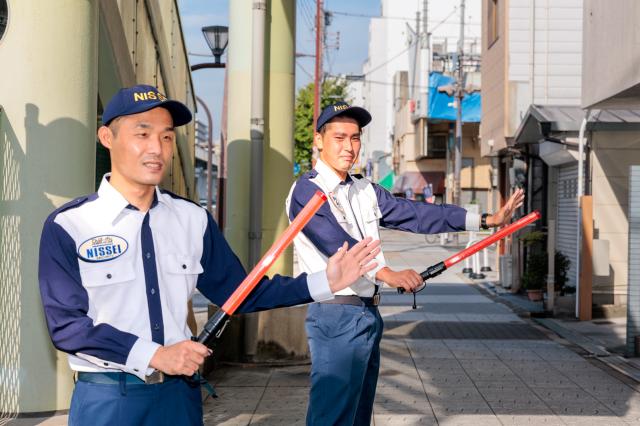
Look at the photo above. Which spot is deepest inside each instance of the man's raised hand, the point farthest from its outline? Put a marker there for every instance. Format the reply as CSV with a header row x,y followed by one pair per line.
x,y
346,266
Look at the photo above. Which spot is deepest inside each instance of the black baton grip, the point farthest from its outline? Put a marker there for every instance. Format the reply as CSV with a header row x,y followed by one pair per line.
x,y
430,272
214,327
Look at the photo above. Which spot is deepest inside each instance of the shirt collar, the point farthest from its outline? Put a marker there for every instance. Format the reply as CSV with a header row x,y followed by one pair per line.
x,y
329,176
114,201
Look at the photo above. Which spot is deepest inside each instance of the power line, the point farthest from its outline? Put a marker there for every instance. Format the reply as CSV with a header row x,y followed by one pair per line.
x,y
377,67
398,18
383,83
304,70
307,15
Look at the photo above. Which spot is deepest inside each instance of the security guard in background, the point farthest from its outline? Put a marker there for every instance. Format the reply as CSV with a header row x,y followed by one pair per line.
x,y
344,333
118,267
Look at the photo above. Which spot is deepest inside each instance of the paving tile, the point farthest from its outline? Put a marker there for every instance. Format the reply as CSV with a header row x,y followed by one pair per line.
x,y
275,419
386,419
241,377
526,419
467,419
593,420
291,376
227,419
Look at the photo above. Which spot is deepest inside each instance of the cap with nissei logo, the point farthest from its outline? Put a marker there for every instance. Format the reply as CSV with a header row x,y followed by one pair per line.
x,y
141,98
361,115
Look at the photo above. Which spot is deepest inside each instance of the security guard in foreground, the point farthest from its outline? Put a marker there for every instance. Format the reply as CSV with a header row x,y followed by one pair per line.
x,y
344,333
118,267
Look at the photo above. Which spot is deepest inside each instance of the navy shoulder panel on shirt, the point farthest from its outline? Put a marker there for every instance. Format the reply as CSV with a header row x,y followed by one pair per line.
x,y
302,192
72,205
178,197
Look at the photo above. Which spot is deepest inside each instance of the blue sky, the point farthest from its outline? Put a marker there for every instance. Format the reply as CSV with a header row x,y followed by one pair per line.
x,y
354,34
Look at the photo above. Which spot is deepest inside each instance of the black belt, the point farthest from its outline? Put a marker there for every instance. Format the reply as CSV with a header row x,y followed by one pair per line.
x,y
355,300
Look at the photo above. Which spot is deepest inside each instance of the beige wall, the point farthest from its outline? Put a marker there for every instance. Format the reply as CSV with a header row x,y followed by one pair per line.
x,y
494,89
156,54
613,153
611,60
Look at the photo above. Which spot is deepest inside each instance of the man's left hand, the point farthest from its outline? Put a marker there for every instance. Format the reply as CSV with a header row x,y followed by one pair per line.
x,y
347,265
503,215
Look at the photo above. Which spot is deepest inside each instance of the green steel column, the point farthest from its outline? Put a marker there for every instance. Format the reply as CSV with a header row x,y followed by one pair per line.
x,y
280,331
48,81
238,130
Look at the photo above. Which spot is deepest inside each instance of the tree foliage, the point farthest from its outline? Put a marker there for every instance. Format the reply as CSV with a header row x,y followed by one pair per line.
x,y
333,90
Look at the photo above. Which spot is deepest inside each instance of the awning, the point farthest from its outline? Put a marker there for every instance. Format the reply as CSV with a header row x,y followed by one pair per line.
x,y
543,122
417,181
387,181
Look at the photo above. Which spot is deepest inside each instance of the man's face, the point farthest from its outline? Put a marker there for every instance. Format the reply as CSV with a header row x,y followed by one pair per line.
x,y
340,144
141,146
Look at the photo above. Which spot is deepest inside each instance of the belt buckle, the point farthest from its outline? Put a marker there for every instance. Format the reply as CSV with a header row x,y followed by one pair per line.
x,y
154,378
376,299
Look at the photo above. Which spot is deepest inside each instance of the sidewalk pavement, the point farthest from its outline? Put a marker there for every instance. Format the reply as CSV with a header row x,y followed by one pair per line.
x,y
462,358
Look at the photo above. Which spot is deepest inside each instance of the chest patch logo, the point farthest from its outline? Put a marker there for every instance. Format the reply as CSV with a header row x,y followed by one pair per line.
x,y
102,248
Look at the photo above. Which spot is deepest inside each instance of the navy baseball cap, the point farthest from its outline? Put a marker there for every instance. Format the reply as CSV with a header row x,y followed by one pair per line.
x,y
141,98
361,115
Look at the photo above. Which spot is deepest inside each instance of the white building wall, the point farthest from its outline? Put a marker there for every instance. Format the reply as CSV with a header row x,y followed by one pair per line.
x,y
388,42
545,49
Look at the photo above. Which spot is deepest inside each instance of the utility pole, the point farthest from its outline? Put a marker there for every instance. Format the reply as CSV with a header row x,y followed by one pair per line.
x,y
425,73
459,94
318,68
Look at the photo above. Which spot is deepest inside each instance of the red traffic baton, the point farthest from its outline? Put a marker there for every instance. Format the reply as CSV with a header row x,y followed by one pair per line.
x,y
216,324
440,267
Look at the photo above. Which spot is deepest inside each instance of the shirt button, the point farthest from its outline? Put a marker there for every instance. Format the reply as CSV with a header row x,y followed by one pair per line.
x,y
109,276
156,326
148,255
153,291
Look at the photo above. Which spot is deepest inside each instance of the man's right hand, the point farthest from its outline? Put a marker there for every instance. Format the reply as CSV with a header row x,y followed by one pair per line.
x,y
180,358
408,279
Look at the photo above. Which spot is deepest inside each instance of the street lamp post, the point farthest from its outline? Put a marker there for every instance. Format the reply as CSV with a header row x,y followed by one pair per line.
x,y
209,153
217,38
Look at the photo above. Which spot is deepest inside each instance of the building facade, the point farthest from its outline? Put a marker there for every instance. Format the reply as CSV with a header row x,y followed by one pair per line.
x,y
61,64
532,57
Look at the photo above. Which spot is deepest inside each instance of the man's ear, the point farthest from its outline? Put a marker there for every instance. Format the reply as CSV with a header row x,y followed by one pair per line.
x,y
317,139
105,135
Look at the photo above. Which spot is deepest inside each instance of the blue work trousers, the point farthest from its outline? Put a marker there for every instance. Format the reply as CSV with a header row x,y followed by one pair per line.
x,y
345,358
171,403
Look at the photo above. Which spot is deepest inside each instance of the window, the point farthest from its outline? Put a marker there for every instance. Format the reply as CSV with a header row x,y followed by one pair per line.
x,y
492,22
437,145
4,17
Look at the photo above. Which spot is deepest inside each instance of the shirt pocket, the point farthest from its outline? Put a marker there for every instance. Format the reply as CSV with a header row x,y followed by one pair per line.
x,y
111,288
182,269
371,214
104,274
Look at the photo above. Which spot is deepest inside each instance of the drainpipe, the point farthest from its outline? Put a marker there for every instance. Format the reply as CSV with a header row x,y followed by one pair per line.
x,y
259,14
580,193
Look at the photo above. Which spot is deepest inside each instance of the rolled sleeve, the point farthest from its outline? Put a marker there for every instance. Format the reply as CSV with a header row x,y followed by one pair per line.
x,y
472,222
140,357
318,284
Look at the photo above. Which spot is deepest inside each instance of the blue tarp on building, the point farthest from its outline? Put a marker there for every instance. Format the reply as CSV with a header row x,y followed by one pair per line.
x,y
441,104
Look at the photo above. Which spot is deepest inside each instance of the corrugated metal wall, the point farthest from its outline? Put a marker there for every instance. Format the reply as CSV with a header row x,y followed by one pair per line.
x,y
567,218
633,299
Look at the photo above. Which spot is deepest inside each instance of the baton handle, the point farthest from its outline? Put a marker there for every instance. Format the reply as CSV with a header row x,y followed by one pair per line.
x,y
214,327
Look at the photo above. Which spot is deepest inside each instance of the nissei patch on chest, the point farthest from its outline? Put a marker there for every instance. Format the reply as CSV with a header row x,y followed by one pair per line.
x,y
102,248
